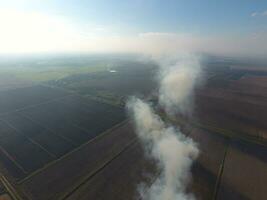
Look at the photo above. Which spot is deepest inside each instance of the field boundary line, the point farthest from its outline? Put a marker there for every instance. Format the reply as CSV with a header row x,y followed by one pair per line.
x,y
12,160
74,92
30,139
35,105
47,128
10,189
99,169
74,150
224,132
232,134
220,172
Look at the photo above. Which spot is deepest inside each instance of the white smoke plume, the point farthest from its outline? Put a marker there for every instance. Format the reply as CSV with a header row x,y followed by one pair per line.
x,y
177,83
174,151
167,145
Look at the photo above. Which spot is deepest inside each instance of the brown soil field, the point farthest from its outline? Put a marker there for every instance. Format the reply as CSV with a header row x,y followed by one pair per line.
x,y
206,169
5,197
245,172
98,156
239,106
49,128
120,179
68,172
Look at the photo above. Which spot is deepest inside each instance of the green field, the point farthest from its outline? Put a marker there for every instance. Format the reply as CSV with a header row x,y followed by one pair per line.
x,y
55,73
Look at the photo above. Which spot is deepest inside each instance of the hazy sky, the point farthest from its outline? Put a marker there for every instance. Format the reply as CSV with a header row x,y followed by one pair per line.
x,y
236,27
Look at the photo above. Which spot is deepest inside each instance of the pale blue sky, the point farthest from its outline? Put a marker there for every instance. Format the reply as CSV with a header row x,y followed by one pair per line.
x,y
130,16
78,24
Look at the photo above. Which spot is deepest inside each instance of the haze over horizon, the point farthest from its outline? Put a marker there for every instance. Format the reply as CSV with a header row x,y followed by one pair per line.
x,y
222,28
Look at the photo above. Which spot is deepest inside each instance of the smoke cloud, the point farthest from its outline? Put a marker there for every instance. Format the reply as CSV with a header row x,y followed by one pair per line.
x,y
173,151
177,83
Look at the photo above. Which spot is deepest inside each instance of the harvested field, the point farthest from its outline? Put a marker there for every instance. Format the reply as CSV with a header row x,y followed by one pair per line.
x,y
70,171
27,154
126,172
233,115
46,128
206,169
72,147
245,172
10,167
33,130
130,169
19,98
238,106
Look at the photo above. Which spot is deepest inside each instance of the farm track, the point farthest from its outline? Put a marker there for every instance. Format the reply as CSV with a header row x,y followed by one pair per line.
x,y
107,169
18,178
231,136
69,153
227,134
91,175
10,189
15,195
224,132
220,173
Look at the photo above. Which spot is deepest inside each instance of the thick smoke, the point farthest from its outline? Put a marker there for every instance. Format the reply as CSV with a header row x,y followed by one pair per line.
x,y
177,83
166,144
